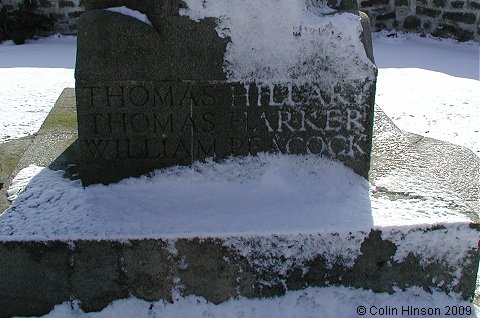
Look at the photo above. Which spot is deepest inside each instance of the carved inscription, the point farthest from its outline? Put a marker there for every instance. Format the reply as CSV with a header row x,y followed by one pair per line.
x,y
166,123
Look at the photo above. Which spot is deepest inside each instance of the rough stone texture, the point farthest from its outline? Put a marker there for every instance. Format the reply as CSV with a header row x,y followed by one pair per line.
x,y
457,4
67,24
34,276
37,272
98,272
411,22
439,3
401,3
75,14
38,275
428,12
65,4
371,3
443,18
446,30
179,107
474,5
467,18
386,16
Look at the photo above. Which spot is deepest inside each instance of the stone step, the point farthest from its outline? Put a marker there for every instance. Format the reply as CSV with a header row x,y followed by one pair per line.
x,y
410,173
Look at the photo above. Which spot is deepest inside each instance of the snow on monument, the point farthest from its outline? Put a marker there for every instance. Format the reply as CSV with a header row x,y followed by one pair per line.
x,y
221,78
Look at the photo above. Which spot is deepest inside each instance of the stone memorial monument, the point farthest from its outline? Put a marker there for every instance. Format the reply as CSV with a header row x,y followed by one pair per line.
x,y
221,78
168,82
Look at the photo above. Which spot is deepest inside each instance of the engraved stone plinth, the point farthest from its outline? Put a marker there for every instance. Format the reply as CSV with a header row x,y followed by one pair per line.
x,y
180,91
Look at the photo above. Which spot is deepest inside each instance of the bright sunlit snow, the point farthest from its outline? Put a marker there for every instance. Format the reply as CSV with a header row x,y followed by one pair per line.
x,y
32,76
131,13
239,196
428,86
331,302
260,42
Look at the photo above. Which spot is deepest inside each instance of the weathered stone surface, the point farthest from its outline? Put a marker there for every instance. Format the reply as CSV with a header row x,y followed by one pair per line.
x,y
468,18
169,131
401,3
179,106
457,4
452,31
473,4
37,275
366,36
75,14
439,3
98,275
386,16
46,3
428,12
98,272
65,4
371,3
148,269
38,272
411,22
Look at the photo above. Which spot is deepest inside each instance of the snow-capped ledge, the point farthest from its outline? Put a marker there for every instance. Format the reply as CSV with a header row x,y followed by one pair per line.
x,y
131,13
271,219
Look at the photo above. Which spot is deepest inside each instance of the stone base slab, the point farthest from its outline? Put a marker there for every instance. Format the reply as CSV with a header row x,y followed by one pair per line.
x,y
38,275
437,256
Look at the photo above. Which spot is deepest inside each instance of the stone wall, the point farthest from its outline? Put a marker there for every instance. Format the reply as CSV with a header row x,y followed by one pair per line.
x,y
458,19
66,13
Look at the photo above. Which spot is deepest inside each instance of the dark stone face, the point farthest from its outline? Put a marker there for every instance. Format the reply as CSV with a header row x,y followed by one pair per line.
x,y
149,98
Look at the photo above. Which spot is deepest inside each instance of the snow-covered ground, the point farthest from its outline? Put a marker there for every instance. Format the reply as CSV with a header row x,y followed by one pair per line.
x,y
428,86
32,76
331,302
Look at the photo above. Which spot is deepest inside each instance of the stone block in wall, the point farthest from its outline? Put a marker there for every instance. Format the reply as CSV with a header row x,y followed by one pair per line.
x,y
457,4
386,16
427,24
474,5
8,7
439,3
66,3
401,3
59,16
422,2
47,4
380,26
453,31
75,14
467,18
372,3
428,12
411,22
